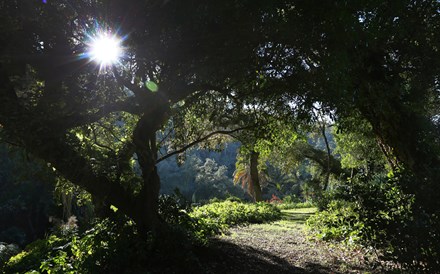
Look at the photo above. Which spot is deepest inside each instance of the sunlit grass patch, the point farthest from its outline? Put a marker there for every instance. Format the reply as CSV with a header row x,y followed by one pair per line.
x,y
292,219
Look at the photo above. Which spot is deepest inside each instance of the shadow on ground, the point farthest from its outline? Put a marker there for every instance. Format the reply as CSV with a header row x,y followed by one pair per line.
x,y
225,257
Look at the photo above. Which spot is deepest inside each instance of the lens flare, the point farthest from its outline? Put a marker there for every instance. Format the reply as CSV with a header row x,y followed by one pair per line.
x,y
105,49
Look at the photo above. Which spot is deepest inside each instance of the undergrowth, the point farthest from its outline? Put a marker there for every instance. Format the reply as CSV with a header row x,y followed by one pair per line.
x,y
114,245
216,217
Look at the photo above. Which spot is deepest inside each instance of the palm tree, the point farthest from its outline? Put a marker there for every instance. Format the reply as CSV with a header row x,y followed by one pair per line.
x,y
247,173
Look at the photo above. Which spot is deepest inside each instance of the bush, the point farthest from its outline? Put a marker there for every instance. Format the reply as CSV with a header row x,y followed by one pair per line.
x,y
291,199
216,217
30,258
375,211
7,251
289,202
339,222
173,209
112,246
403,227
109,247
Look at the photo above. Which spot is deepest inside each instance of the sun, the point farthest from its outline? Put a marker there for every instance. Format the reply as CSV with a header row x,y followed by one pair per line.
x,y
105,49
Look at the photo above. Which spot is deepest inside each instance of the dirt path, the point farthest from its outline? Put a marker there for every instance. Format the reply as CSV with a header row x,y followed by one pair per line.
x,y
281,247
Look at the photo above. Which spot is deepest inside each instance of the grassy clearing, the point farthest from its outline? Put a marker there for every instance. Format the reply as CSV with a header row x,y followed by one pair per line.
x,y
285,245
291,219
298,215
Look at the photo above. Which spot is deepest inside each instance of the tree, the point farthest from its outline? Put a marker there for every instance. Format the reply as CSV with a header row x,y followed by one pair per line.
x,y
248,173
379,60
385,48
97,127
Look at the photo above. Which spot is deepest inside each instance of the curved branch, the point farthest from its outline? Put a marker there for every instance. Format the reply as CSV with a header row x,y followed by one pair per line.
x,y
321,158
75,168
72,121
225,132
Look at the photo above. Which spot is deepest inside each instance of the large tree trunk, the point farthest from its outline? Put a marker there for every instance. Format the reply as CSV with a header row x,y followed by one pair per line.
x,y
142,208
407,136
49,139
144,139
255,180
145,211
65,157
412,146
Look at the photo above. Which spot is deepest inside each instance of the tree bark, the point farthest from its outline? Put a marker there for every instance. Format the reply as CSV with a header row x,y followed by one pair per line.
x,y
144,139
255,180
327,175
331,163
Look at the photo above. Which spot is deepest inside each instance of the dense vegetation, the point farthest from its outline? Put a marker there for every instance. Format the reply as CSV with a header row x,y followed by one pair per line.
x,y
106,105
110,246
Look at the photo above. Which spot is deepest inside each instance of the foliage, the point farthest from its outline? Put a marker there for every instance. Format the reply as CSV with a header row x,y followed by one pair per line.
x,y
108,247
202,176
98,128
211,181
289,202
172,208
375,211
115,247
7,251
216,217
339,222
285,183
307,165
358,148
395,222
30,258
26,196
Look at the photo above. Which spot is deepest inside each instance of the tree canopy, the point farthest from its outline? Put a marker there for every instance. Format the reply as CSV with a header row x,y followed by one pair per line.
x,y
190,68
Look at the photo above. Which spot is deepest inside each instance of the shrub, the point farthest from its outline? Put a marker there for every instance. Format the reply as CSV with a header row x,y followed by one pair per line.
x,y
234,199
109,247
114,246
291,199
275,200
375,211
173,209
30,258
289,202
7,251
216,217
403,227
340,222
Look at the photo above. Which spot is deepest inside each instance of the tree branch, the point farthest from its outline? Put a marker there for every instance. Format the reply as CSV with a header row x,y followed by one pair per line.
x,y
225,132
74,167
72,121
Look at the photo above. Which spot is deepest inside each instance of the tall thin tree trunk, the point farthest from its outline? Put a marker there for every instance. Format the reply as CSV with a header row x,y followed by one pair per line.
x,y
255,180
327,175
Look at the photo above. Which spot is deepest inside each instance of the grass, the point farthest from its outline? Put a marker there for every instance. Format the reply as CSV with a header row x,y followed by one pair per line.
x,y
287,206
298,215
291,219
287,241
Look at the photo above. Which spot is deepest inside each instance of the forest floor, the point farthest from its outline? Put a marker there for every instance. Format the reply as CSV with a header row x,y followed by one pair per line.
x,y
283,247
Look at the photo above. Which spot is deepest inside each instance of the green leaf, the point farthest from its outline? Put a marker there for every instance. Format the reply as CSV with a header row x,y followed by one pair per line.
x,y
152,86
